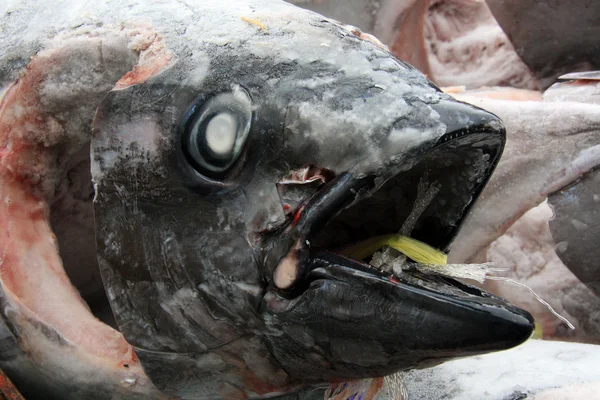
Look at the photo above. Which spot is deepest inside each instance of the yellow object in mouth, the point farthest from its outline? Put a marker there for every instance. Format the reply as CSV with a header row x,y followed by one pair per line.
x,y
538,333
417,251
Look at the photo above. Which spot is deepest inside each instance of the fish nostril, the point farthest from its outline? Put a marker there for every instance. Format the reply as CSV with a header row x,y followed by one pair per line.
x,y
301,184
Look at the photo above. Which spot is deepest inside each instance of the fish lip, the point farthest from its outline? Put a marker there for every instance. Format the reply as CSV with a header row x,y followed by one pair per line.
x,y
490,309
332,266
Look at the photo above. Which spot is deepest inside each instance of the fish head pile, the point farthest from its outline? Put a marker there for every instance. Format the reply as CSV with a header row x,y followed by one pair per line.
x,y
232,166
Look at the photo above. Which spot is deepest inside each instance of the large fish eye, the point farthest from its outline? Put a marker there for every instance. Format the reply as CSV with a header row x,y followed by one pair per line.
x,y
215,134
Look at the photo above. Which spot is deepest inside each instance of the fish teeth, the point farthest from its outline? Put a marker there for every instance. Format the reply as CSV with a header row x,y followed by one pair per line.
x,y
389,260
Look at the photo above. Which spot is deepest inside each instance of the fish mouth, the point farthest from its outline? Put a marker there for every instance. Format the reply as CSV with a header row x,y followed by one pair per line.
x,y
416,319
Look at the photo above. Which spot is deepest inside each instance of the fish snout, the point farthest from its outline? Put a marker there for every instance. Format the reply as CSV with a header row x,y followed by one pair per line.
x,y
404,318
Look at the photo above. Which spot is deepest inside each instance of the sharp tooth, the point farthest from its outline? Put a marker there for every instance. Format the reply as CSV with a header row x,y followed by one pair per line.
x,y
388,260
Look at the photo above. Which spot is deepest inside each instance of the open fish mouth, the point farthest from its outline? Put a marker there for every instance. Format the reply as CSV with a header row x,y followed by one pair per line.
x,y
404,317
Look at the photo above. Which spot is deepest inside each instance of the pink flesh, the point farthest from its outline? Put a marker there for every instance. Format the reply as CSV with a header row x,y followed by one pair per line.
x,y
409,43
457,42
32,272
153,57
496,93
35,148
31,269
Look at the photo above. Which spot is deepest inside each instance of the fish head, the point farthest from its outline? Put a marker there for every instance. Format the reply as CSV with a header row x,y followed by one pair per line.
x,y
227,184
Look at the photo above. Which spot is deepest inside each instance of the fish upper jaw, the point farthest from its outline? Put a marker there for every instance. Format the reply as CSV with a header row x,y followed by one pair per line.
x,y
357,204
365,322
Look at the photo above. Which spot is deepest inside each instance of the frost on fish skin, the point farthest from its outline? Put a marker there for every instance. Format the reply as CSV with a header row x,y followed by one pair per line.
x,y
141,195
328,114
53,102
327,129
453,42
290,38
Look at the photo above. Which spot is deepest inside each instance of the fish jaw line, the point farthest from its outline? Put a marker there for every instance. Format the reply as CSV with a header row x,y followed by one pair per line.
x,y
317,275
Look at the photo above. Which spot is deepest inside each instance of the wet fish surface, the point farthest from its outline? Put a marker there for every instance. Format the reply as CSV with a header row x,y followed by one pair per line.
x,y
211,160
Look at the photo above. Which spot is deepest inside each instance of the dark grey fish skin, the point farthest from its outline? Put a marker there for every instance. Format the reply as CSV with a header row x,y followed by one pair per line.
x,y
576,228
222,291
552,37
577,206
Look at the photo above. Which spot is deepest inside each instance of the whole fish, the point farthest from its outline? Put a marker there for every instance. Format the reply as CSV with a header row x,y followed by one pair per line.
x,y
216,157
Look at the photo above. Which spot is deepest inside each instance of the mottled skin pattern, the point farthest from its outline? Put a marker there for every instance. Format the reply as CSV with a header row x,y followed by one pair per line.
x,y
188,257
551,38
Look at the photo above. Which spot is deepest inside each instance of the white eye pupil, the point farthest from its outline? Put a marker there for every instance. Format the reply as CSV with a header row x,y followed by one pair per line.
x,y
221,132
